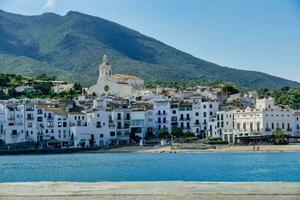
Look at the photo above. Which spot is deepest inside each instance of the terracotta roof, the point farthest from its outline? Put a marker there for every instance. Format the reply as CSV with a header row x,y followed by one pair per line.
x,y
125,76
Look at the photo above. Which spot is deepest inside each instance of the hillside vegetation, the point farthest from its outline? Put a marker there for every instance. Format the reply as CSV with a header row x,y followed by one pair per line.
x,y
71,46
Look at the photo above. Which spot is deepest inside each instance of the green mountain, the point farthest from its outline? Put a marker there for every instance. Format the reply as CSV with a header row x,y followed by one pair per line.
x,y
71,46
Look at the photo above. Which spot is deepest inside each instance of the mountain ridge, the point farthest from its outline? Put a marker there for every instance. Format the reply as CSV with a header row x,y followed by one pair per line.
x,y
71,46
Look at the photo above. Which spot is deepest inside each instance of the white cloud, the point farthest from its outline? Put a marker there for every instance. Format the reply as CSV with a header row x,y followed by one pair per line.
x,y
50,3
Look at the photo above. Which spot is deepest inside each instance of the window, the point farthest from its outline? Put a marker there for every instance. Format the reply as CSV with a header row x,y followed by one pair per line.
x,y
137,122
59,124
210,105
112,134
204,106
40,119
127,116
204,114
126,125
164,120
197,114
119,116
119,125
98,125
101,135
64,124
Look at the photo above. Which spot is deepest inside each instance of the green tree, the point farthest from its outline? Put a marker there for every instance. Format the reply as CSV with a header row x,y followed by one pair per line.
x,y
77,87
279,136
229,89
189,134
177,132
43,87
163,133
4,80
11,92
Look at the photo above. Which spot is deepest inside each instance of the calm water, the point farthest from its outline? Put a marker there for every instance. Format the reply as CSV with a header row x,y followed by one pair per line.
x,y
152,167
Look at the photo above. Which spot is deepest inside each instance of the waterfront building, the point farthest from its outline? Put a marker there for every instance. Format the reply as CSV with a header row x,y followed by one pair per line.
x,y
111,120
259,122
162,111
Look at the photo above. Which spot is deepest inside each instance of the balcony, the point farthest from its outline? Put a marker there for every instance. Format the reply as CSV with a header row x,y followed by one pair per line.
x,y
30,109
185,119
161,114
111,125
162,122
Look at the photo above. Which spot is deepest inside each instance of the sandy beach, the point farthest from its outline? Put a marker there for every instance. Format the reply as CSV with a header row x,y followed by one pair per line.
x,y
149,190
167,149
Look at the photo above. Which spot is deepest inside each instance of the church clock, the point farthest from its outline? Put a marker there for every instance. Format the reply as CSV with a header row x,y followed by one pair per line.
x,y
106,88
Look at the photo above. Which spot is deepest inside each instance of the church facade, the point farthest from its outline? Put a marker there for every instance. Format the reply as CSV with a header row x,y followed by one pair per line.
x,y
120,85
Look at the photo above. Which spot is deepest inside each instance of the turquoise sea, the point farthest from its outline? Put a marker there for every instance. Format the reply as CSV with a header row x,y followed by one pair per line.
x,y
90,167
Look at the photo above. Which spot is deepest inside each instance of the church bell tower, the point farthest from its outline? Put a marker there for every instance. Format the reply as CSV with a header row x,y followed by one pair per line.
x,y
104,68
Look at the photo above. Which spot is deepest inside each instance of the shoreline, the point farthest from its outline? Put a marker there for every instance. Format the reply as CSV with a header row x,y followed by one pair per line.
x,y
159,149
150,190
222,149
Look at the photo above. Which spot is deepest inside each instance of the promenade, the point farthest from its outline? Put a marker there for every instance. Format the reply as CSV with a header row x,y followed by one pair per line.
x,y
149,190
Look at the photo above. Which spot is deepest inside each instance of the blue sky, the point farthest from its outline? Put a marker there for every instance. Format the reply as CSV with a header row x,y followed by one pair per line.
x,y
260,35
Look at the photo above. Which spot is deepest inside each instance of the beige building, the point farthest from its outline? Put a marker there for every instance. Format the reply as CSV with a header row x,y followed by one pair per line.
x,y
121,85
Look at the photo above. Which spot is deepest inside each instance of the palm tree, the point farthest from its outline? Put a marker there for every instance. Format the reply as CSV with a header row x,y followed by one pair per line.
x,y
279,136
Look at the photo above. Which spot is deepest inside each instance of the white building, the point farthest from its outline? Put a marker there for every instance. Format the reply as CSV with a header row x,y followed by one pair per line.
x,y
259,122
121,85
162,114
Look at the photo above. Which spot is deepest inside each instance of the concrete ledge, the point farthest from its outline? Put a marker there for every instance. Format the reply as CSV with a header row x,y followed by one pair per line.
x,y
149,190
